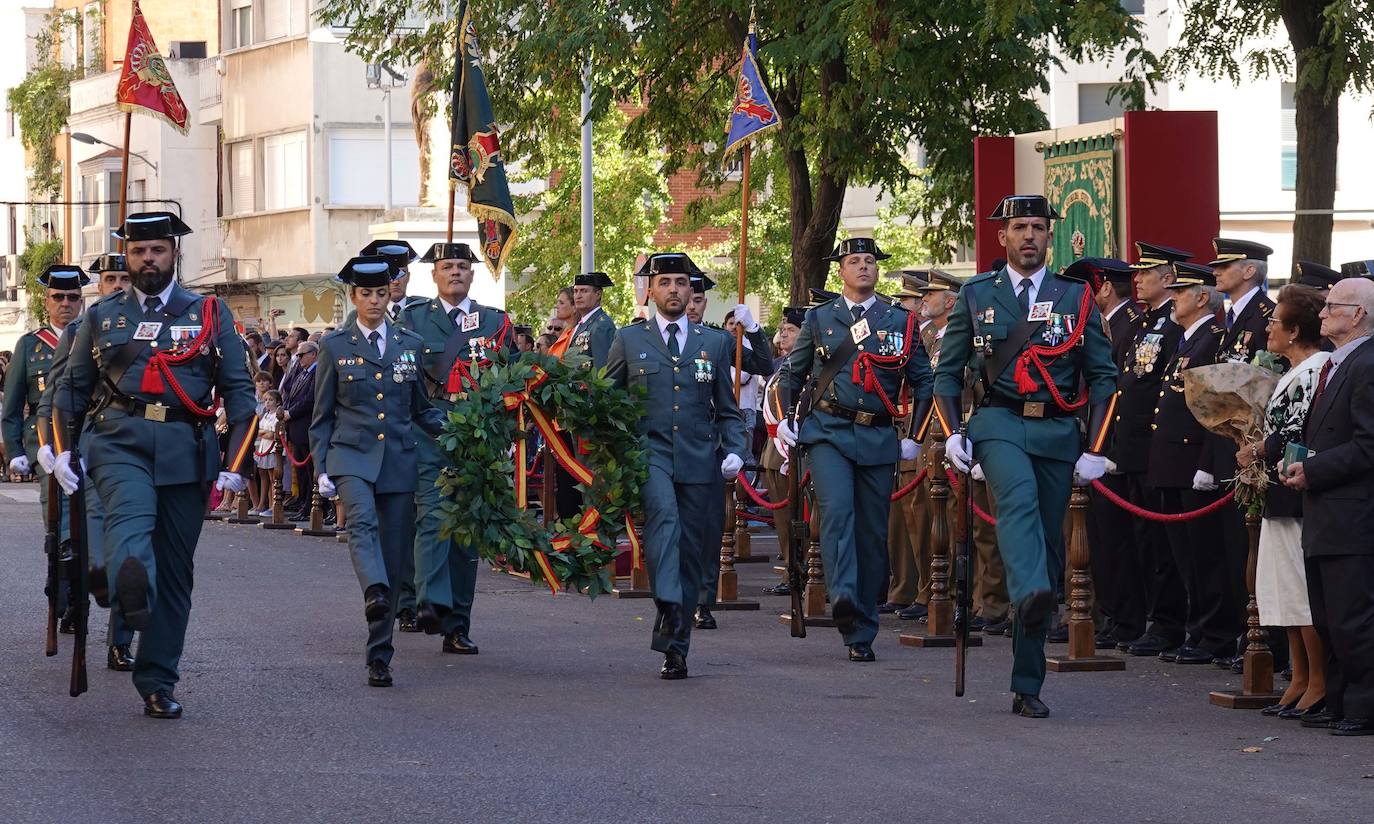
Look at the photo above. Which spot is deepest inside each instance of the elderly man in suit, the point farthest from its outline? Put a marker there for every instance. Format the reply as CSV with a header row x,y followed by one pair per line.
x,y
298,404
1337,481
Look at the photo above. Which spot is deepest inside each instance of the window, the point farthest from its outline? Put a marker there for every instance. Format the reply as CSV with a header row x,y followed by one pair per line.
x,y
1093,105
97,216
1288,137
241,24
187,49
283,171
241,178
91,38
282,18
1133,6
68,44
356,157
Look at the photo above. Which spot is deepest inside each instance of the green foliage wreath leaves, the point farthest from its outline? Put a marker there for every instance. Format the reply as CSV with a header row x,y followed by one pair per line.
x,y
479,507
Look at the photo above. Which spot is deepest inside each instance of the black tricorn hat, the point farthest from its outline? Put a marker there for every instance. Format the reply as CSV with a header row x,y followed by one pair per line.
x,y
1358,268
1093,270
600,280
369,271
1191,274
110,263
398,251
819,296
795,315
64,276
151,226
1315,275
1232,249
702,283
670,263
857,246
1149,255
447,251
1024,206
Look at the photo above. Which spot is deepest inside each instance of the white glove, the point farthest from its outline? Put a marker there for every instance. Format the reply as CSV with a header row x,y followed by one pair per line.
x,y
745,318
910,449
785,433
326,486
230,482
731,466
1088,469
1111,467
20,464
1203,481
959,450
977,472
46,458
62,471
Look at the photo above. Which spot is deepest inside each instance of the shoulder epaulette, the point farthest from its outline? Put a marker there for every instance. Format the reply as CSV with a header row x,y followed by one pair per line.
x,y
1266,309
980,277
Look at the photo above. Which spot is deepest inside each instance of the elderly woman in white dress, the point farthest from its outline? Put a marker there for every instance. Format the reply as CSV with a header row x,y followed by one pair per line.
x,y
1280,577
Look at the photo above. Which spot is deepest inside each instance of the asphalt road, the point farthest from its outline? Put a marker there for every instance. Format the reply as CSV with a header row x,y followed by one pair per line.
x,y
562,718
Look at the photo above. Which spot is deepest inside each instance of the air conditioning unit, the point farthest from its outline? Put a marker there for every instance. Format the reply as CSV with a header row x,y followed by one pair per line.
x,y
187,50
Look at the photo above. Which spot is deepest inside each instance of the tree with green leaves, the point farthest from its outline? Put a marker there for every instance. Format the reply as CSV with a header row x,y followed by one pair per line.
x,y
857,83
42,104
1330,50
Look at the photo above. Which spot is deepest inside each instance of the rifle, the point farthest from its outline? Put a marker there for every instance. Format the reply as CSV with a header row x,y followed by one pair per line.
x,y
52,545
963,574
79,599
797,544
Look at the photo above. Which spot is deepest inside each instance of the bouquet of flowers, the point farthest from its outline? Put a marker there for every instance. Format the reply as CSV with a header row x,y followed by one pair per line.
x,y
1230,399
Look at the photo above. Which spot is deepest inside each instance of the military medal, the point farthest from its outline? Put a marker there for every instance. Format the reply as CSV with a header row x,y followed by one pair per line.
x,y
1054,330
42,384
705,371
1146,353
470,322
989,315
859,331
147,330
122,322
1040,311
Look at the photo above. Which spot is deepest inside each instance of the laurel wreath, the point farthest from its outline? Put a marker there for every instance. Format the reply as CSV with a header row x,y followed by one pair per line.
x,y
479,502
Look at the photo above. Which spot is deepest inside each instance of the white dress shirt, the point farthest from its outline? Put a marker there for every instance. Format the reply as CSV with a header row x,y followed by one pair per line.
x,y
381,341
1196,325
681,330
1036,279
165,295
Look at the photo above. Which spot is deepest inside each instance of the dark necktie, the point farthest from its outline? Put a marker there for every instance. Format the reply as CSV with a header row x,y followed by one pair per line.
x,y
1023,296
376,340
858,311
1230,319
1321,383
152,304
453,315
673,348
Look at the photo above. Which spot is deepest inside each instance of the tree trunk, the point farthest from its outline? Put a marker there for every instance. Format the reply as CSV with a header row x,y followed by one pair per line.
x,y
815,215
1317,119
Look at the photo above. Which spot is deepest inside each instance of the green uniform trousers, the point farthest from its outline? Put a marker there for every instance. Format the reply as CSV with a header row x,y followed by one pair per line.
x,y
1032,495
159,527
710,543
445,571
378,538
117,634
675,523
853,502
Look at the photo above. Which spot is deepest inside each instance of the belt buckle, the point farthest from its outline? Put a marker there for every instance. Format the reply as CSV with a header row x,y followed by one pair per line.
x,y
1033,409
155,412
863,418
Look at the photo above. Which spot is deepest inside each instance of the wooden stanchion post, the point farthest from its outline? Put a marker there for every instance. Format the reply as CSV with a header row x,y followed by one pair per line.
x,y
1083,655
242,516
727,591
278,514
316,528
940,615
1257,678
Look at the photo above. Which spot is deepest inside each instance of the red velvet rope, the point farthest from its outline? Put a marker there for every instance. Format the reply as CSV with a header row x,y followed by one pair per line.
x,y
977,510
286,448
746,515
906,490
756,497
1160,516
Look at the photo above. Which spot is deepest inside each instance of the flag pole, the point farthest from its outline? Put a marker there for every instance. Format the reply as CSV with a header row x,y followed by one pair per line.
x,y
452,194
124,174
743,254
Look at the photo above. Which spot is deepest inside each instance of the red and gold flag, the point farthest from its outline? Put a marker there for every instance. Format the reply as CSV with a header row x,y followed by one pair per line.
x,y
145,84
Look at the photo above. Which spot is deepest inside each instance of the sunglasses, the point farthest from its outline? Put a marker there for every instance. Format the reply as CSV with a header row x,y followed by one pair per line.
x,y
65,298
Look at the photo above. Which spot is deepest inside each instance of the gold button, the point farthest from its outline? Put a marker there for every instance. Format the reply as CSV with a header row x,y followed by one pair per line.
x,y
153,344
381,416
1118,417
1161,393
378,376
381,436
675,407
677,368
348,377
861,347
380,396
1154,426
1156,410
677,388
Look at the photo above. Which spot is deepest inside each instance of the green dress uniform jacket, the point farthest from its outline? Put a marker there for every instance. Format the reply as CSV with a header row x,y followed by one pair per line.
x,y
852,463
27,378
1028,461
593,337
150,465
445,574
689,415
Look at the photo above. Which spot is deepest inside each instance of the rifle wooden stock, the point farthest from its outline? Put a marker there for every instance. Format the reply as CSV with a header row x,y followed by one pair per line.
x,y
963,581
796,549
52,545
79,598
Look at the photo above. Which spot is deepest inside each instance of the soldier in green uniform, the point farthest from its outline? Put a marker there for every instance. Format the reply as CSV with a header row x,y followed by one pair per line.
x,y
690,411
368,398
150,363
112,276
1025,432
458,336
853,354
595,330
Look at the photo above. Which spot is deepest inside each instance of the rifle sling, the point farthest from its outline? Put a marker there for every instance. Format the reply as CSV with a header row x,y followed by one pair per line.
x,y
837,361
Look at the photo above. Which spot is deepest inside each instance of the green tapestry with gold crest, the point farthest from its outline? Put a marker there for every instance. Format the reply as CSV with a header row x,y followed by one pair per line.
x,y
1080,183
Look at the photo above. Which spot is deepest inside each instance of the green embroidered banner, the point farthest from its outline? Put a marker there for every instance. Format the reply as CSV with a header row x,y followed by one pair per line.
x,y
1080,183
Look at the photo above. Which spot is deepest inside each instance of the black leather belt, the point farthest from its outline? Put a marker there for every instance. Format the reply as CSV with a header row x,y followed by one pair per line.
x,y
1030,409
859,417
155,411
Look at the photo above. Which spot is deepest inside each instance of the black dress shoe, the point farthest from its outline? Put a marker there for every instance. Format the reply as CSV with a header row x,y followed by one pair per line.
x,y
161,705
1101,642
1320,720
890,607
1192,655
977,623
998,627
704,619
862,653
1029,706
458,643
376,605
405,621
1149,645
674,667
1353,726
780,589
1058,635
119,658
846,615
428,620
378,674
1171,655
100,587
1224,661
131,591
67,623
1035,609
670,620
915,612
1275,709
1291,713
